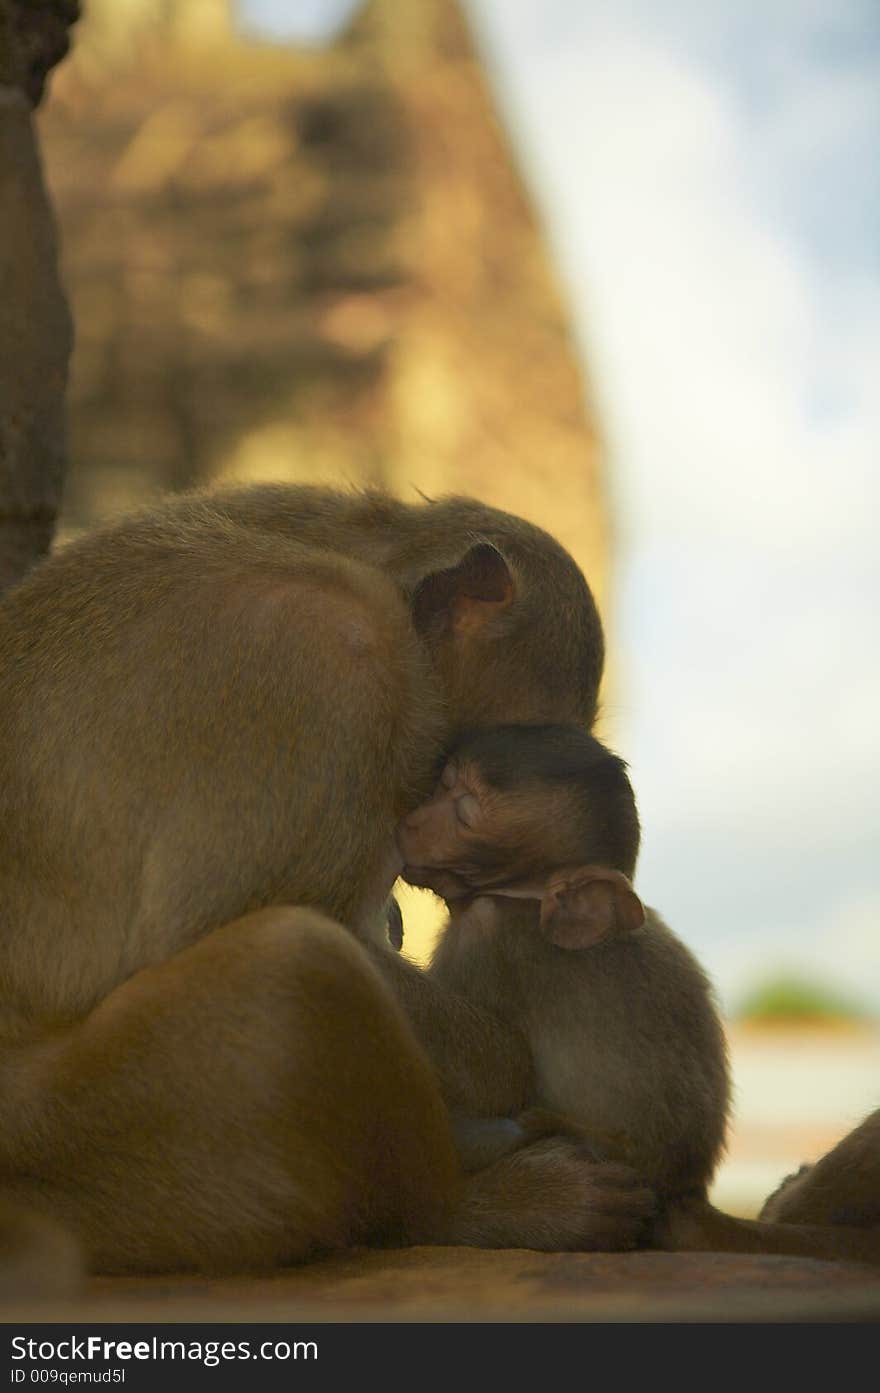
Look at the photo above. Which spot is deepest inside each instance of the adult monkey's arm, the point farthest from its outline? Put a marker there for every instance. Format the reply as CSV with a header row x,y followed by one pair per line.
x,y
35,327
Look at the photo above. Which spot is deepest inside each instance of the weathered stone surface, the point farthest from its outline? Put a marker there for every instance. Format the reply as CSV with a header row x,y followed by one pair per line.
x,y
308,264
516,1285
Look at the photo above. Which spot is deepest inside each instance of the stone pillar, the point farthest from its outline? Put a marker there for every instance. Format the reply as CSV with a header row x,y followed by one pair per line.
x,y
35,326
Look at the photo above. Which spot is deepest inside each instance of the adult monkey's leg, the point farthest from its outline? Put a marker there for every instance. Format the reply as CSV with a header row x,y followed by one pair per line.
x,y
842,1188
695,1226
260,1098
253,1100
828,1210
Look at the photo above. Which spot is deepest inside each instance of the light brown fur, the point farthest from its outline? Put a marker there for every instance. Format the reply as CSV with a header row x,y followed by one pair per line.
x,y
212,716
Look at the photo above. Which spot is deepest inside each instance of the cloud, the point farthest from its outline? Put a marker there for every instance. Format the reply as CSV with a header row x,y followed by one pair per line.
x,y
699,314
708,176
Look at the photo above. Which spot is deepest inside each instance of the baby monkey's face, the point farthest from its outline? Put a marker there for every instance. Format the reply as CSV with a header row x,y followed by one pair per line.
x,y
473,839
470,838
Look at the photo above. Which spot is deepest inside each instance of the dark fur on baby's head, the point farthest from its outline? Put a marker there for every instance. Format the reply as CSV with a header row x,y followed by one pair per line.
x,y
601,822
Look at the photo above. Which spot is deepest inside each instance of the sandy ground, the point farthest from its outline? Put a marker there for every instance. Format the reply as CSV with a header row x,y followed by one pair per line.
x,y
796,1093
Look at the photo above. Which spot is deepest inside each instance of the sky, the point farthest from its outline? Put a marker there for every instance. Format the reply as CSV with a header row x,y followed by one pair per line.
x,y
708,175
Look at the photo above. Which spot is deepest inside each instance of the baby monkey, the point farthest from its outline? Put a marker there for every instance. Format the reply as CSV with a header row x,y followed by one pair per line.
x,y
531,838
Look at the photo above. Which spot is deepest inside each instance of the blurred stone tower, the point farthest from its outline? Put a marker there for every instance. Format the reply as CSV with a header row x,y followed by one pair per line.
x,y
315,264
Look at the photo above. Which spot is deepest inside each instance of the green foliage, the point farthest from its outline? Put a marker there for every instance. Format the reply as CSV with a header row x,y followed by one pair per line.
x,y
789,998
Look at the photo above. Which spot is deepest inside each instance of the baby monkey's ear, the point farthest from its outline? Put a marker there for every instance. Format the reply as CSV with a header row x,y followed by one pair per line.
x,y
581,907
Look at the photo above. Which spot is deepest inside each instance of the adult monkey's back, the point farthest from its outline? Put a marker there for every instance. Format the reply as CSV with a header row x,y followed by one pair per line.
x,y
210,713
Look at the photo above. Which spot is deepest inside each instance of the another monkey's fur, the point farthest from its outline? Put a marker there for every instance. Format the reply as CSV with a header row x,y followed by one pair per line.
x,y
212,717
531,837
827,1210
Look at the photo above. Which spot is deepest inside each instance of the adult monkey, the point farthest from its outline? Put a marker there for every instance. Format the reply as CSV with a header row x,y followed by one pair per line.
x,y
209,714
830,1209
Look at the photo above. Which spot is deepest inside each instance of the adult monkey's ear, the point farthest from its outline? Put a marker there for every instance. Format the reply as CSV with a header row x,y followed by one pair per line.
x,y
582,907
464,597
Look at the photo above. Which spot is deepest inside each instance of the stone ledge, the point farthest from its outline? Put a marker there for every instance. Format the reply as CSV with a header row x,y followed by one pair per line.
x,y
468,1284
